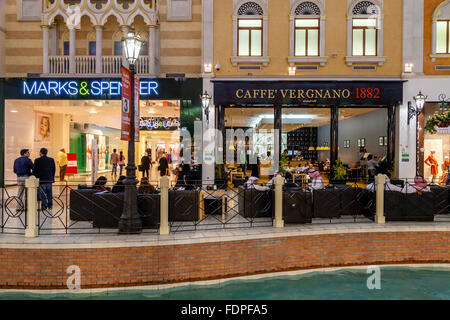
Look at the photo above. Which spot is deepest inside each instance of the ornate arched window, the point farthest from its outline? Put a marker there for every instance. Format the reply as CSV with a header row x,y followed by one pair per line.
x,y
441,30
307,32
365,32
250,31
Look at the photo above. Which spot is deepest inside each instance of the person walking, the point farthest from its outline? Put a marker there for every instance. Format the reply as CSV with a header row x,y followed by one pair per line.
x,y
44,170
121,162
163,165
114,160
145,163
23,167
61,160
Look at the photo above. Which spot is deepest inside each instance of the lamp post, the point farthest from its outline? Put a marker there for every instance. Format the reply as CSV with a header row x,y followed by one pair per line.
x,y
415,111
206,99
130,221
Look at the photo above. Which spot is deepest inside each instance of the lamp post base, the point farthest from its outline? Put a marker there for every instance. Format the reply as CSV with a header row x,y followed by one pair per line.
x,y
130,226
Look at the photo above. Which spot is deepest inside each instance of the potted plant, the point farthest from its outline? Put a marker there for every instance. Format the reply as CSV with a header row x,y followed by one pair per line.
x,y
438,120
339,173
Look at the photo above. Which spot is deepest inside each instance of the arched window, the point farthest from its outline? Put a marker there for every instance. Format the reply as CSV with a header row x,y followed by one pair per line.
x,y
250,27
307,32
365,32
250,31
441,30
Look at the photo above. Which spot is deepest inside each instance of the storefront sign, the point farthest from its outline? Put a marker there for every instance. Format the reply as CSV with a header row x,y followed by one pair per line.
x,y
72,163
159,123
83,88
126,96
307,93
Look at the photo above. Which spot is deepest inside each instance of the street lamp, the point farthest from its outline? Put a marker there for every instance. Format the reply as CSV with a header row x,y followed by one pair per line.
x,y
415,111
206,99
130,221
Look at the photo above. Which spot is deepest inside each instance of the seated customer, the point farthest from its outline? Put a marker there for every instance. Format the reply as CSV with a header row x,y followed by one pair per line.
x,y
420,185
100,184
145,187
251,184
316,180
119,186
387,186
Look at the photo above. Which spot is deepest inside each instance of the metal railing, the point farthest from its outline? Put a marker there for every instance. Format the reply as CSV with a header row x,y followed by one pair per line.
x,y
77,208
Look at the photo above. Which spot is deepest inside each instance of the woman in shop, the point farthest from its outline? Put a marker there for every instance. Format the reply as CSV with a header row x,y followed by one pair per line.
x,y
121,162
146,164
432,162
163,165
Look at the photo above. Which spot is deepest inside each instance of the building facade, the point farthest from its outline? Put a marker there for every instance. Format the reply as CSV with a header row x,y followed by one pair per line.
x,y
62,67
300,67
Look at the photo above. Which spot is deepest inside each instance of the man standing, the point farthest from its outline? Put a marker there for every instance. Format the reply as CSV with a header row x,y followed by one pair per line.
x,y
61,160
114,160
22,168
163,165
44,169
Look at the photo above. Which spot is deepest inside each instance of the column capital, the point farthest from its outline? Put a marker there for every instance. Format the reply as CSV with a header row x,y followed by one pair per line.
x,y
98,27
44,26
153,27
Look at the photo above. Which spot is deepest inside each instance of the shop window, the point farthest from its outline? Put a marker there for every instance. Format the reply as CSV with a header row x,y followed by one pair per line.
x,y
250,37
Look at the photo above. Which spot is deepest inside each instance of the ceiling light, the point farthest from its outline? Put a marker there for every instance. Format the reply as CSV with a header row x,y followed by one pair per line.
x,y
92,111
14,111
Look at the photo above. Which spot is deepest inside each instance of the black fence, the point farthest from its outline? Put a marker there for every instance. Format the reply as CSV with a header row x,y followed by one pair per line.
x,y
77,208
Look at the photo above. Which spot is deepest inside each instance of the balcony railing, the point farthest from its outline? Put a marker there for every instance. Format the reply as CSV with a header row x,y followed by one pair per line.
x,y
111,64
86,65
58,65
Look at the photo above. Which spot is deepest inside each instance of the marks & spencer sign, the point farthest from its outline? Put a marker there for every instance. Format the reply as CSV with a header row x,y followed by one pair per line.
x,y
349,93
77,88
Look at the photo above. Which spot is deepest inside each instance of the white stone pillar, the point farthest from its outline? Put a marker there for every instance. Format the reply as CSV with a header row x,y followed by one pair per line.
x,y
380,180
72,50
45,45
278,221
152,49
124,59
31,185
98,49
164,206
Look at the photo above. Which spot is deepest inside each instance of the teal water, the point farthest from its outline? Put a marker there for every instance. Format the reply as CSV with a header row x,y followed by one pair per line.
x,y
396,283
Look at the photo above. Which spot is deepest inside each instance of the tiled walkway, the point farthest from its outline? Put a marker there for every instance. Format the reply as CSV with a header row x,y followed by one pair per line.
x,y
344,225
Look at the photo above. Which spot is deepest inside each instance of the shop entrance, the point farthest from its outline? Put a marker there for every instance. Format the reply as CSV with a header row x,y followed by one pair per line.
x,y
78,125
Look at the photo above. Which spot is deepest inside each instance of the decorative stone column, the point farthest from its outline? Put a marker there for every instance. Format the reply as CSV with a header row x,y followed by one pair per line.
x,y
164,206
45,37
278,221
98,49
31,185
72,50
152,49
380,180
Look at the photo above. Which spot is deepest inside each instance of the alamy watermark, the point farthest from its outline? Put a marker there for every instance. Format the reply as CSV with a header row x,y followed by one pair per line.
x,y
74,280
374,280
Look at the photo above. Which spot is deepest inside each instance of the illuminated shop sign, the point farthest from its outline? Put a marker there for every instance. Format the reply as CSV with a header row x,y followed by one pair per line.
x,y
159,123
374,93
85,88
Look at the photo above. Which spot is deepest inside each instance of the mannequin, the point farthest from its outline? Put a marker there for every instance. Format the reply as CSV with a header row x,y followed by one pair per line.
x,y
432,162
446,168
